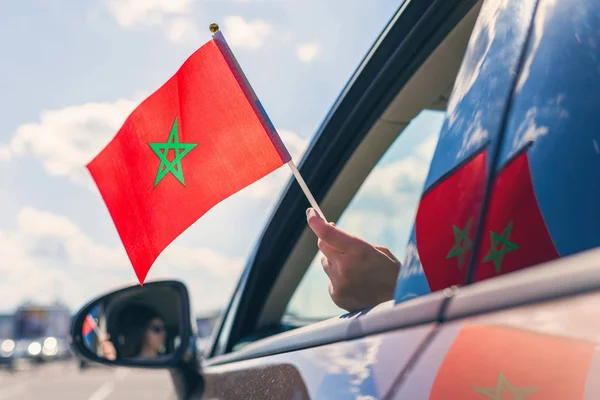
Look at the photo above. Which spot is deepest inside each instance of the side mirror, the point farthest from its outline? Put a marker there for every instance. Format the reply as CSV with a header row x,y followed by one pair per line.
x,y
144,326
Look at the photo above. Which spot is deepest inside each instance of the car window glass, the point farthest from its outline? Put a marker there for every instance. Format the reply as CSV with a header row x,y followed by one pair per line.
x,y
381,212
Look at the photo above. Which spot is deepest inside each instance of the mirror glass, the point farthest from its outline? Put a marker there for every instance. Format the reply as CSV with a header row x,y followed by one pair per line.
x,y
138,323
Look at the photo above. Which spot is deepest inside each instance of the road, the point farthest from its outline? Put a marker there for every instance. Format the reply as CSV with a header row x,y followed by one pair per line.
x,y
64,380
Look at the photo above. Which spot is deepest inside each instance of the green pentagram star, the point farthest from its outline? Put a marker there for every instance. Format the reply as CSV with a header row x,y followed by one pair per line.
x,y
506,246
162,150
462,243
503,387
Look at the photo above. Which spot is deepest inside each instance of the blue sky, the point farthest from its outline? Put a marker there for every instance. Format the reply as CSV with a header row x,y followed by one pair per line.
x,y
72,72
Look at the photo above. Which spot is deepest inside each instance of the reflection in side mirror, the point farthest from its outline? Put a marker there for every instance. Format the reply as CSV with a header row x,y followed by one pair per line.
x,y
136,325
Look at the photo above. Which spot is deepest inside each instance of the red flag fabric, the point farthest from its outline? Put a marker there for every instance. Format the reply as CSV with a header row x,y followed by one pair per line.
x,y
488,362
447,220
88,325
515,234
197,140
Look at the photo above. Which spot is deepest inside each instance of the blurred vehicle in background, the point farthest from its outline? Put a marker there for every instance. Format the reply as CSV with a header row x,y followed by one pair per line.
x,y
7,345
37,334
206,325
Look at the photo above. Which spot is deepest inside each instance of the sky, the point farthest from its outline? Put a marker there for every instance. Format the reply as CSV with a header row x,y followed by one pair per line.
x,y
73,70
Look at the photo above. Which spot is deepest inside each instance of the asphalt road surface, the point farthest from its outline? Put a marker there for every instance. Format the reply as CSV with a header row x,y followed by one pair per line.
x,y
64,380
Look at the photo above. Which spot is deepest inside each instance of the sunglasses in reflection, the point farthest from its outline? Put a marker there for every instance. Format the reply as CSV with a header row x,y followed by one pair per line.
x,y
158,329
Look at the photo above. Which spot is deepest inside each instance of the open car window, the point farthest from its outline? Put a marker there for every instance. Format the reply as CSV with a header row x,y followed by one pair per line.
x,y
382,211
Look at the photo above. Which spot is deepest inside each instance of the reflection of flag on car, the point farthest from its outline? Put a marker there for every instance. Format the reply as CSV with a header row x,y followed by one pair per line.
x,y
447,220
487,362
197,140
515,235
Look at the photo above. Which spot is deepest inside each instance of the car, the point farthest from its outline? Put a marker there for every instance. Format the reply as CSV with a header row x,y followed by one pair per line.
x,y
7,347
479,120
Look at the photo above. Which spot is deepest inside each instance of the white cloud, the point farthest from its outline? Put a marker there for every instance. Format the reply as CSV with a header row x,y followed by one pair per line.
x,y
369,225
65,140
483,32
542,12
490,19
4,153
528,130
182,29
412,263
427,148
294,143
474,136
169,15
386,180
243,34
308,52
45,250
353,360
130,13
400,181
400,178
47,235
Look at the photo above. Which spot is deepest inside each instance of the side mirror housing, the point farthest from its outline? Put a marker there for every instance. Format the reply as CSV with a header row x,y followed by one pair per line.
x,y
138,326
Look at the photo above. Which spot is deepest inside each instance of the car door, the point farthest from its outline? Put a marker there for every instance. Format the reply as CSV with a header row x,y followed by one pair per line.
x,y
531,334
261,349
529,328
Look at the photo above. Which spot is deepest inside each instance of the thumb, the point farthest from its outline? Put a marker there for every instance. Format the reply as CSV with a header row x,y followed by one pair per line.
x,y
387,252
329,233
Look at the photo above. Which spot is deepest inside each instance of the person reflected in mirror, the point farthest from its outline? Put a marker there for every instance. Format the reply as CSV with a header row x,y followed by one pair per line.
x,y
361,275
142,331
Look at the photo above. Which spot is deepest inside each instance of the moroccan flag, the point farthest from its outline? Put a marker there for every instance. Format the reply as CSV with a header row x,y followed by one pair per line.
x,y
197,140
490,362
515,234
447,221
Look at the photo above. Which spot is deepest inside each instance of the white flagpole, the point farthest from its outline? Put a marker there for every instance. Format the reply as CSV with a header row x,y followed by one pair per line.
x,y
214,28
99,333
305,189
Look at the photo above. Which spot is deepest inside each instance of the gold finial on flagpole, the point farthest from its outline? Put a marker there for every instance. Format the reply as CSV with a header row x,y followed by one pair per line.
x,y
214,27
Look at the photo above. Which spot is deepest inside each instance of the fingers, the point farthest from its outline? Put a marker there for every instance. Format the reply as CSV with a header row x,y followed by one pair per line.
x,y
329,233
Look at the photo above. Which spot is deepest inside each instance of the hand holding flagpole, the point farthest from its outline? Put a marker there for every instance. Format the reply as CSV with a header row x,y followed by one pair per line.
x,y
107,348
